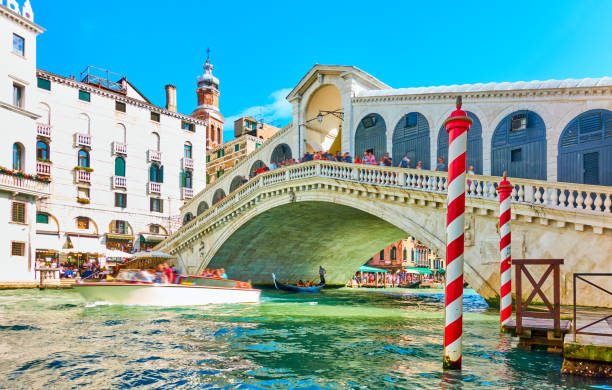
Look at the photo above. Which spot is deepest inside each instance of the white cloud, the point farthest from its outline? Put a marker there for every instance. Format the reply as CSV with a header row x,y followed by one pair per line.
x,y
277,111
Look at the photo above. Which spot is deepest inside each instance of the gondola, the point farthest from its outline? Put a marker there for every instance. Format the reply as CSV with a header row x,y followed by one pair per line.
x,y
294,288
414,285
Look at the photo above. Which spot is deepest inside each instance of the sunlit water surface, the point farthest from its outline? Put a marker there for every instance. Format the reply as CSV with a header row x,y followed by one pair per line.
x,y
337,339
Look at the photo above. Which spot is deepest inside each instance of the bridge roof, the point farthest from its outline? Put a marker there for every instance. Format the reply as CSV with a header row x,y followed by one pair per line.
x,y
486,87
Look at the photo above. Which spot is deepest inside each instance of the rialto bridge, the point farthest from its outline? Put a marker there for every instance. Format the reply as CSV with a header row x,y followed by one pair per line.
x,y
291,220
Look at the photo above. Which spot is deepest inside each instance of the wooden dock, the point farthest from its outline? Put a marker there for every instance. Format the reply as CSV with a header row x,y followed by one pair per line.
x,y
539,333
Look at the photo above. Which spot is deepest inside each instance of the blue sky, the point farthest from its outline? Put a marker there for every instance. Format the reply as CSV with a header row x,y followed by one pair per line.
x,y
260,50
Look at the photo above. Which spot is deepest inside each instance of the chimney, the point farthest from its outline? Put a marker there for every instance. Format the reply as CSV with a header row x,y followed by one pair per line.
x,y
171,98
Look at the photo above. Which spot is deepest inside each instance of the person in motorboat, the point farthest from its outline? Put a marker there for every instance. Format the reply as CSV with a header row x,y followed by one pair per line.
x,y
223,274
300,283
143,276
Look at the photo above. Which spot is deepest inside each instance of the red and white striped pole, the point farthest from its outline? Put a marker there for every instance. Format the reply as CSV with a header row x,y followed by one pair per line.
x,y
505,310
457,126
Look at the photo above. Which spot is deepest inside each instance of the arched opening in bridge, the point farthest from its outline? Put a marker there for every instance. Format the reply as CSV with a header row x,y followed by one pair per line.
x,y
256,165
280,153
585,149
236,182
202,206
519,146
188,217
411,138
217,196
371,135
323,119
474,144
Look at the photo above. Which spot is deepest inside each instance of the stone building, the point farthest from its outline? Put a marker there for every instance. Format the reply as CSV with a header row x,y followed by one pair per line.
x,y
251,126
408,252
208,106
94,165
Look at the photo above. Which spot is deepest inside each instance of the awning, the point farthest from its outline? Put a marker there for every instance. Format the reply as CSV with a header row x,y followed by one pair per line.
x,y
48,242
441,270
367,268
421,270
152,237
85,245
119,237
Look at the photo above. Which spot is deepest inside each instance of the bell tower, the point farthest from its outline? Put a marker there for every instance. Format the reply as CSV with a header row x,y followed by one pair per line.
x,y
208,105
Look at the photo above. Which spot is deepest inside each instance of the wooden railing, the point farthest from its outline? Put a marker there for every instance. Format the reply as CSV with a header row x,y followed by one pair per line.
x,y
581,330
553,309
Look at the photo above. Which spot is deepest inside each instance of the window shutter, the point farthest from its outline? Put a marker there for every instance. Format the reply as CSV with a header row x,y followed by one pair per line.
x,y
151,173
161,174
183,179
161,205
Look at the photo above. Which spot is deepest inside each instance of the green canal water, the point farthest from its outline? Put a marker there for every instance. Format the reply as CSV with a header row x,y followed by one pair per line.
x,y
337,339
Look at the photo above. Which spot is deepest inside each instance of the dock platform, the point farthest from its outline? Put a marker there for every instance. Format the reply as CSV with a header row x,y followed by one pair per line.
x,y
589,354
539,332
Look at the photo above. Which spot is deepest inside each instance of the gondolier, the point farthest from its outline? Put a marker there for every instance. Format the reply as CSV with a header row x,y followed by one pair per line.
x,y
322,274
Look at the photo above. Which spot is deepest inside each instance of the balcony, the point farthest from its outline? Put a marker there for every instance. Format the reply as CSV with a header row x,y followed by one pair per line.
x,y
82,140
154,188
43,130
9,181
187,163
154,155
43,168
119,148
187,193
81,176
119,182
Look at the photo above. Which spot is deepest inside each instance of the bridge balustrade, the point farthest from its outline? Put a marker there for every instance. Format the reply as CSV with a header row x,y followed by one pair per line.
x,y
566,196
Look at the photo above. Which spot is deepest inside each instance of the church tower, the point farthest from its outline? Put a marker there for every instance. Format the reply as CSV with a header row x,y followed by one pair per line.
x,y
208,105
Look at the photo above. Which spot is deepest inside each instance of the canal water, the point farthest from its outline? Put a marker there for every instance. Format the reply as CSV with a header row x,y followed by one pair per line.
x,y
337,339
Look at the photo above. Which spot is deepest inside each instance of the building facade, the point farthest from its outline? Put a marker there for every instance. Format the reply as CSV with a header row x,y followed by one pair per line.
x,y
94,165
406,253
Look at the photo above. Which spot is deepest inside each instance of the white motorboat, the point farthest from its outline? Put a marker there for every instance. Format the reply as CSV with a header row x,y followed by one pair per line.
x,y
186,291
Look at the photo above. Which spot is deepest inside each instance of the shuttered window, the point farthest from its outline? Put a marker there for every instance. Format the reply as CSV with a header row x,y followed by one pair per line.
x,y
44,84
18,212
84,96
17,248
42,218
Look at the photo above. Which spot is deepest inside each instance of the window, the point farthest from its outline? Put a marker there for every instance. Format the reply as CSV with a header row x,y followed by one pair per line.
x,y
411,120
207,179
83,223
17,157
393,254
236,147
17,95
220,153
84,96
18,45
368,121
17,248
208,158
120,200
187,126
518,122
154,229
155,116
120,227
219,135
18,212
188,150
83,158
382,254
220,173
120,166
44,84
187,179
42,151
83,193
157,205
120,106
156,173
42,218
516,155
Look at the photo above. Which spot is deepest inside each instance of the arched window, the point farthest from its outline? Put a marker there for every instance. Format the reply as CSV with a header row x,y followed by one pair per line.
x,y
371,134
203,206
120,133
218,195
84,124
83,158
393,253
187,179
382,255
411,139
405,254
280,153
188,217
474,144
236,182
188,150
218,135
255,167
155,141
120,166
18,157
518,146
585,149
42,151
156,173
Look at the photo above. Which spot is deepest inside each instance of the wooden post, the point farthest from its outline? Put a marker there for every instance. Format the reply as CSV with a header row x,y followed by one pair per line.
x,y
519,299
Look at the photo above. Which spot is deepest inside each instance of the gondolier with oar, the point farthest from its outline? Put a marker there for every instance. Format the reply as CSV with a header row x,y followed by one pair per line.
x,y
322,274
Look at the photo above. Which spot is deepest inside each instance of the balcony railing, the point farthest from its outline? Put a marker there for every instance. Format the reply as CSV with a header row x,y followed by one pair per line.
x,y
119,182
43,168
187,163
154,188
22,185
82,140
43,130
119,148
82,176
154,155
187,193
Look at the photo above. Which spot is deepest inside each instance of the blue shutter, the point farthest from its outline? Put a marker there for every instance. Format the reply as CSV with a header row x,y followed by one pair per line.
x,y
161,174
